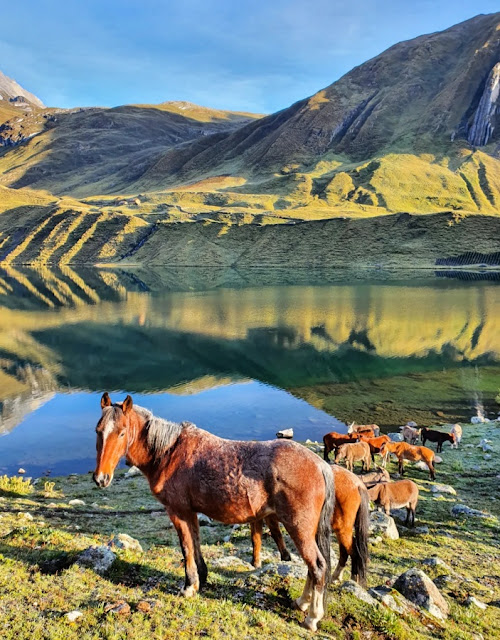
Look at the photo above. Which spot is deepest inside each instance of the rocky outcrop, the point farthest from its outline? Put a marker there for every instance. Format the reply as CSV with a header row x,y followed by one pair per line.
x,y
483,125
420,590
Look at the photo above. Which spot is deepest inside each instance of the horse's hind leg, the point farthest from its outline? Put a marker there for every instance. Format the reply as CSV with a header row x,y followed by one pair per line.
x,y
344,553
186,528
274,527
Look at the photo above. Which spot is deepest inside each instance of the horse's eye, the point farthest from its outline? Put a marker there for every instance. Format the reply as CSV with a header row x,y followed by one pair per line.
x,y
121,434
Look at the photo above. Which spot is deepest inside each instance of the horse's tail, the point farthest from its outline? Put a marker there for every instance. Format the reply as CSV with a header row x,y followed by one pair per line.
x,y
360,554
324,532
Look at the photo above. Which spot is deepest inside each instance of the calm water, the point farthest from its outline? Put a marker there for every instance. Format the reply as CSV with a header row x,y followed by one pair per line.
x,y
242,355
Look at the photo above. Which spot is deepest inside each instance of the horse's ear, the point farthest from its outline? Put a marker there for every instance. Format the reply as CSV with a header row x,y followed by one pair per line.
x,y
127,404
105,400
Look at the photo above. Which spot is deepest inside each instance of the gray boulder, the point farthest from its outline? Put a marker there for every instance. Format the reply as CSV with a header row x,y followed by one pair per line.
x,y
384,525
443,488
459,510
418,588
99,558
356,590
395,437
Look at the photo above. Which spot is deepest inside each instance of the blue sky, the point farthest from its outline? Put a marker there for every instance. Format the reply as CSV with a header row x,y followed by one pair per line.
x,y
245,55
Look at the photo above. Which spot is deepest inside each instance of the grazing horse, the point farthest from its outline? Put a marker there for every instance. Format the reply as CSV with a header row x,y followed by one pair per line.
x,y
456,430
350,512
375,444
333,440
437,436
372,430
396,495
374,477
410,434
191,471
404,451
353,453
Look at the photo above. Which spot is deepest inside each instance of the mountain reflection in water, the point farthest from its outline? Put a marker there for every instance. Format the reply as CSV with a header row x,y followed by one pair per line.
x,y
385,351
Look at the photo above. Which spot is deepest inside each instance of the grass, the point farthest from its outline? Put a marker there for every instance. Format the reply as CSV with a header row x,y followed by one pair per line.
x,y
39,582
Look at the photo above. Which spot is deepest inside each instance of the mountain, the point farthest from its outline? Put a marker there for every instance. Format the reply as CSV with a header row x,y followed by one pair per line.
x,y
12,92
415,130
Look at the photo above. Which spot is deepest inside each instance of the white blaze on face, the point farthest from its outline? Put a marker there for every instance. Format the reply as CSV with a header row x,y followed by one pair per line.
x,y
108,422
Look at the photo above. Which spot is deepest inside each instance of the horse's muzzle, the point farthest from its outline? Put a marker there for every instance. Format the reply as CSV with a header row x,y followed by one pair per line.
x,y
102,479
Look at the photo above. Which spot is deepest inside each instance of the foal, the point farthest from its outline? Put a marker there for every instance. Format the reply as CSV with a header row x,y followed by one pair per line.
x,y
191,471
396,495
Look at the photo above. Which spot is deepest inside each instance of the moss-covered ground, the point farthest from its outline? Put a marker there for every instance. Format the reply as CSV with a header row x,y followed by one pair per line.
x,y
39,582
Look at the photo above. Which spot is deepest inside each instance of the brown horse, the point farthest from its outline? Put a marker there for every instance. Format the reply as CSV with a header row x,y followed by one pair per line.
x,y
396,495
191,471
375,443
351,512
334,440
354,453
404,451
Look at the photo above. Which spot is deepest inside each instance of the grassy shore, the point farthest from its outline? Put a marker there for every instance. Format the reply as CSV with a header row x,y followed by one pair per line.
x,y
41,534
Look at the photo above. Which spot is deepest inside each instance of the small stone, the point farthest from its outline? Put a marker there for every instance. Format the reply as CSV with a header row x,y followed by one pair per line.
x,y
232,563
434,561
204,520
438,459
395,437
94,505
383,594
415,585
356,590
21,471
25,515
73,615
285,433
145,606
440,414
443,488
474,602
375,540
133,471
124,541
421,466
157,514
122,608
77,503
421,530
227,539
98,558
487,456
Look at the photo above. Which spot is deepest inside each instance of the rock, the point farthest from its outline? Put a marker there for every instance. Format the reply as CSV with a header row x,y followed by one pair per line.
x,y
121,607
383,594
226,538
145,606
375,540
284,569
77,503
133,471
356,590
415,585
384,525
204,520
487,456
443,488
474,602
468,446
438,459
21,471
285,433
124,541
411,423
440,414
422,530
395,437
463,510
485,445
73,615
421,466
444,580
25,515
478,419
434,561
97,558
232,563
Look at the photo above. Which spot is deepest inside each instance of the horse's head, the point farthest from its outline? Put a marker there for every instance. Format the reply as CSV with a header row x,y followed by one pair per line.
x,y
112,438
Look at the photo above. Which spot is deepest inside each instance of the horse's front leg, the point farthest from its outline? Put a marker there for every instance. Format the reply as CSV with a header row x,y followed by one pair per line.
x,y
188,532
274,527
256,533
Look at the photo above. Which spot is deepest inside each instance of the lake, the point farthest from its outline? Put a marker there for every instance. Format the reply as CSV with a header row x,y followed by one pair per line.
x,y
240,354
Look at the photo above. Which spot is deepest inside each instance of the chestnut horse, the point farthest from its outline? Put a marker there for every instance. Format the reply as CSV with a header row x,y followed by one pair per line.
x,y
191,471
351,512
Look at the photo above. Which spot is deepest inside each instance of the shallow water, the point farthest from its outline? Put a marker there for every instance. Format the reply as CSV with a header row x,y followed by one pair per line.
x,y
242,355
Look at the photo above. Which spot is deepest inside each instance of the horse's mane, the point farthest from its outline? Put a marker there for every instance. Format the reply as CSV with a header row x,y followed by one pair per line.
x,y
161,433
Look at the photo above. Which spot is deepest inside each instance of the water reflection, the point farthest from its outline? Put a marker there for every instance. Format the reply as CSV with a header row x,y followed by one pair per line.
x,y
342,346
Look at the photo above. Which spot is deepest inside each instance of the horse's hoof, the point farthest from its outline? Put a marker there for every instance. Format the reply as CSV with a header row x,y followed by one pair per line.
x,y
310,624
257,565
301,606
286,557
188,592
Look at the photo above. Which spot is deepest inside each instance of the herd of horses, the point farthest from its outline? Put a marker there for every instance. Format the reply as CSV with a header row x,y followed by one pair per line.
x,y
192,471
